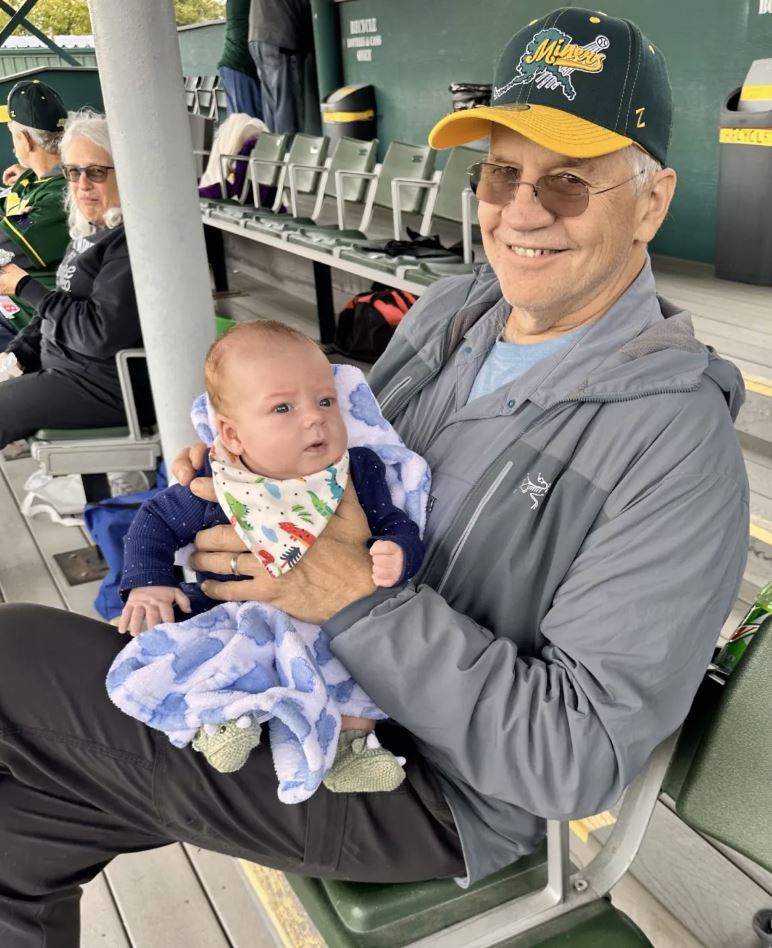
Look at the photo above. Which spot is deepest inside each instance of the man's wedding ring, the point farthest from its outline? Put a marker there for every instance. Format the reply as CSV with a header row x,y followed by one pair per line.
x,y
234,565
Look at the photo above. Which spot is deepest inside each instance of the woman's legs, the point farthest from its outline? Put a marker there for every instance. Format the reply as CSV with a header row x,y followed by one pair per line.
x,y
50,399
80,782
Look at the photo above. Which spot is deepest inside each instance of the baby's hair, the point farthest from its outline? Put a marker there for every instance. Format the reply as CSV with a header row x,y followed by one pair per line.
x,y
234,340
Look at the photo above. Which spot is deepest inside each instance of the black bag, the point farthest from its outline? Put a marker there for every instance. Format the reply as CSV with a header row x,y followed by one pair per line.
x,y
367,322
415,246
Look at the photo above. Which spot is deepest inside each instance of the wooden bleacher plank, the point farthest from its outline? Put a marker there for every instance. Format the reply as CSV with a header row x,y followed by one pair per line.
x,y
161,901
231,899
659,925
24,576
101,925
718,905
52,538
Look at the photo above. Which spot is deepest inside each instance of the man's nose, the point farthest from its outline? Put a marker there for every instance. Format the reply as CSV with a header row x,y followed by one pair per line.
x,y
525,211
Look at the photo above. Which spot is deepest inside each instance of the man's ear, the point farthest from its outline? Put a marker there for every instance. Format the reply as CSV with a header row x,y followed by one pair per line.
x,y
654,204
229,437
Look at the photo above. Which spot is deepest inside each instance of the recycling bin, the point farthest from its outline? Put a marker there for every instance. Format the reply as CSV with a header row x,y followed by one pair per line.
x,y
350,113
743,219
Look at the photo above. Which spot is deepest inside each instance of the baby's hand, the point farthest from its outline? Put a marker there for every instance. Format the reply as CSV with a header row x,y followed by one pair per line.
x,y
151,605
388,562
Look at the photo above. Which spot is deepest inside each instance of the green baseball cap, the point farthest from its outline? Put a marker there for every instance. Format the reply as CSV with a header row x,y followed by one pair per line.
x,y
36,105
578,82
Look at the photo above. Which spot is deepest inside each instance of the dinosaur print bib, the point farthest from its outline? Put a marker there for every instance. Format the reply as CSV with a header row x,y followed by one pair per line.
x,y
277,520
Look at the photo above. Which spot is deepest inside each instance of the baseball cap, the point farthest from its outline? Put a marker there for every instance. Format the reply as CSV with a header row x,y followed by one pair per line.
x,y
578,82
36,105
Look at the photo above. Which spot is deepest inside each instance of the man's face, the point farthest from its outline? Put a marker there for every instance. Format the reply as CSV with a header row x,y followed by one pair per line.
x,y
593,249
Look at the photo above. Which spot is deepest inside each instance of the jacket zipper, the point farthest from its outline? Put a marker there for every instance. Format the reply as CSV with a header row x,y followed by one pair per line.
x,y
470,524
461,542
397,388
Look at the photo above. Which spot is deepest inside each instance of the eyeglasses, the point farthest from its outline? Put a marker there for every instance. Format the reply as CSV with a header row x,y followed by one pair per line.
x,y
95,173
563,195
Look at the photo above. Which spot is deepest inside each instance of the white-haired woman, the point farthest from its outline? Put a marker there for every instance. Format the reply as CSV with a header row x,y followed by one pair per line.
x,y
66,355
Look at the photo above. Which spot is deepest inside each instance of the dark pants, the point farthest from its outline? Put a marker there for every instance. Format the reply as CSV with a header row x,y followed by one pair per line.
x,y
242,92
80,782
282,86
51,399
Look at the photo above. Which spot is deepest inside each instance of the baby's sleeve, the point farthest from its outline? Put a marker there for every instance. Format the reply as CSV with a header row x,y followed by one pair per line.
x,y
386,520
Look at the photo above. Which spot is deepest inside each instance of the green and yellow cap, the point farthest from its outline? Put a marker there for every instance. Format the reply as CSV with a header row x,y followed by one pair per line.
x,y
577,82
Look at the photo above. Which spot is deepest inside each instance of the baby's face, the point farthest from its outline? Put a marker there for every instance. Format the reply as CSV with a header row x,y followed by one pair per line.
x,y
280,410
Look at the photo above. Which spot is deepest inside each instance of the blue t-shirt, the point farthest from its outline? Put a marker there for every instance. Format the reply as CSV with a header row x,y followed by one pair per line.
x,y
506,361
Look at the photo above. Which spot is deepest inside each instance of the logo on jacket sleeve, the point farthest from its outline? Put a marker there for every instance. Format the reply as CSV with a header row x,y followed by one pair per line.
x,y
551,57
534,491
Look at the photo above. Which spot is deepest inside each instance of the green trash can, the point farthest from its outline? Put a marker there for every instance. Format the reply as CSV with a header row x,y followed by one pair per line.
x,y
743,220
350,113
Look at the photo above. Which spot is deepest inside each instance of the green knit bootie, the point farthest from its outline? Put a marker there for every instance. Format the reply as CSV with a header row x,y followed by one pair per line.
x,y
228,746
361,765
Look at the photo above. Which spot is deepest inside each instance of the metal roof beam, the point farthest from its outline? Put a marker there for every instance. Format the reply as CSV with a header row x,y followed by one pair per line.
x,y
18,18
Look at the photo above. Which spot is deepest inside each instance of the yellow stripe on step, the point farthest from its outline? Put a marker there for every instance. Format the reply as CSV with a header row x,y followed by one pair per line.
x,y
289,919
761,529
758,385
583,828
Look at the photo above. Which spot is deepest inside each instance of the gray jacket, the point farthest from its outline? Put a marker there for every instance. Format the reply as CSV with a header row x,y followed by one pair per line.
x,y
285,23
587,536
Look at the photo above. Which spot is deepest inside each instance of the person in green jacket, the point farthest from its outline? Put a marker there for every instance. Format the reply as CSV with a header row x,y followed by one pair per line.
x,y
236,68
33,225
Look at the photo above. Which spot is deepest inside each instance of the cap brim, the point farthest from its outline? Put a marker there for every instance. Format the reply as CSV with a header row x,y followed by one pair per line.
x,y
559,131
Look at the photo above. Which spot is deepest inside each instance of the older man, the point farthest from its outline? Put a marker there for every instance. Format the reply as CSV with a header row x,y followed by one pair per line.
x,y
586,538
34,223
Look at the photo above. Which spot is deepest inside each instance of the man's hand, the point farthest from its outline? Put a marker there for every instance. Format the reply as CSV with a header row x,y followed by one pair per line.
x,y
335,572
11,174
388,562
10,275
150,605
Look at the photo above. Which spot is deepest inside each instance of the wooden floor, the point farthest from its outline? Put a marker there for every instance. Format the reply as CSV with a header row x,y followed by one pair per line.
x,y
683,890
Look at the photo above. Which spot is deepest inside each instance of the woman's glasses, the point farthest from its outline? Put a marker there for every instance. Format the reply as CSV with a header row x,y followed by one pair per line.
x,y
563,195
95,173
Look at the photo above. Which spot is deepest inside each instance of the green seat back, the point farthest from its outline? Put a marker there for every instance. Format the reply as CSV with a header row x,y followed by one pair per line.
x,y
269,147
404,161
722,779
357,915
351,155
452,183
307,150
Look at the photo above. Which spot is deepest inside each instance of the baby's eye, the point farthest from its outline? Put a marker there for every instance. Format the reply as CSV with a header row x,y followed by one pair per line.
x,y
326,402
282,409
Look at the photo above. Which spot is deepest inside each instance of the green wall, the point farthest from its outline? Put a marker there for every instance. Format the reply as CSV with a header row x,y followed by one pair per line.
x,y
78,87
201,47
426,44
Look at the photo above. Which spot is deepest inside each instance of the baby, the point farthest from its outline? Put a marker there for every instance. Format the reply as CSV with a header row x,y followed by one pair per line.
x,y
280,435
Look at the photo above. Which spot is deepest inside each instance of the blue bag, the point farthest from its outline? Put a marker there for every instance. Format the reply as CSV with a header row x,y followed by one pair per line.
x,y
108,522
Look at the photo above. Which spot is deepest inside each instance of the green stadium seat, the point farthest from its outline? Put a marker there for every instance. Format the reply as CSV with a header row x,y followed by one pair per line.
x,y
721,774
402,161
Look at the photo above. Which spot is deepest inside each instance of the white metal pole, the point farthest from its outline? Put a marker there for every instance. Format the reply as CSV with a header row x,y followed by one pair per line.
x,y
141,76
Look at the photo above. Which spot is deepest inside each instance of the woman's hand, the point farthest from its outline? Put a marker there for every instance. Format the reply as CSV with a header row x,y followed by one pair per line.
x,y
10,275
335,572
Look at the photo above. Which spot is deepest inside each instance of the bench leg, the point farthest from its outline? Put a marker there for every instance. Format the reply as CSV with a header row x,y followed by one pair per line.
x,y
325,304
96,487
215,253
